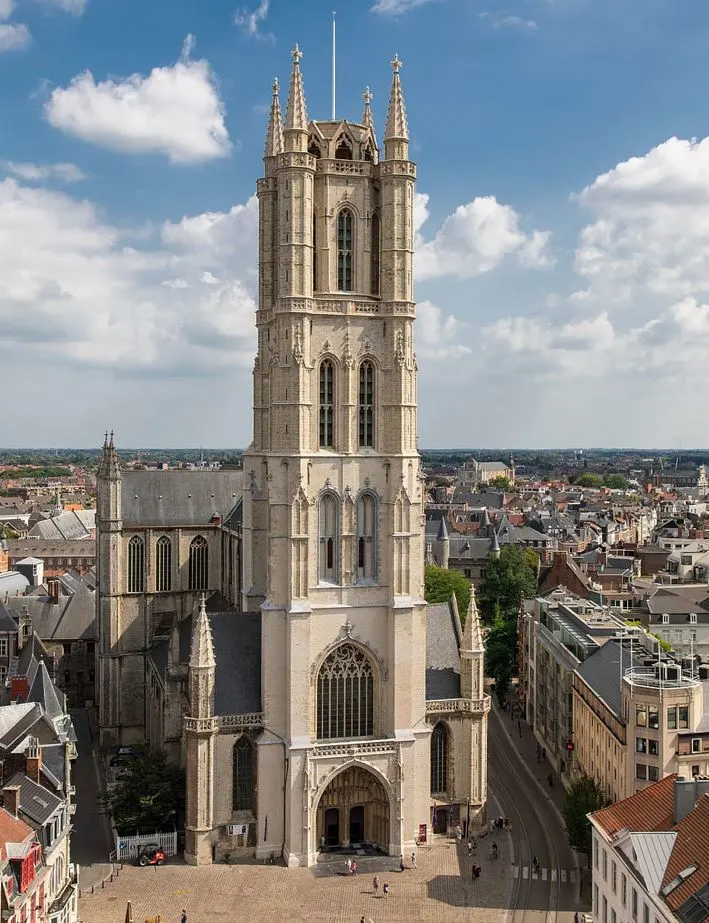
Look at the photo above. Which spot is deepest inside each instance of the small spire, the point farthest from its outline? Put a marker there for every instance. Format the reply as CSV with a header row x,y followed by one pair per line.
x,y
443,531
367,117
296,112
109,466
397,128
494,545
274,133
202,648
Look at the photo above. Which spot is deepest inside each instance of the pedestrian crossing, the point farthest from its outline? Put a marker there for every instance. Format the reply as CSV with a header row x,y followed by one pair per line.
x,y
544,874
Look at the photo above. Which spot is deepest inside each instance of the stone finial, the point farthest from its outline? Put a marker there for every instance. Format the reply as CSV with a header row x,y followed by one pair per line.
x,y
274,132
109,466
367,120
397,128
202,647
296,112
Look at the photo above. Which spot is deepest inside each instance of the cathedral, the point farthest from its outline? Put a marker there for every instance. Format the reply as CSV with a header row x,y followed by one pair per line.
x,y
267,627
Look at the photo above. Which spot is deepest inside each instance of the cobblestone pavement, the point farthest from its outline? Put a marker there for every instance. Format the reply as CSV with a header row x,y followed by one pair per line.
x,y
441,888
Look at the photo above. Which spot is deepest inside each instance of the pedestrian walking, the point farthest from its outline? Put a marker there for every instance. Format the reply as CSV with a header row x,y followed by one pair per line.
x,y
492,826
354,867
477,872
183,918
375,885
322,844
470,848
413,860
385,889
576,917
349,865
402,867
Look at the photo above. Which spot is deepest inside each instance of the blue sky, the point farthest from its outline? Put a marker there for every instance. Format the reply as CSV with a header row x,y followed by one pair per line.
x,y
563,260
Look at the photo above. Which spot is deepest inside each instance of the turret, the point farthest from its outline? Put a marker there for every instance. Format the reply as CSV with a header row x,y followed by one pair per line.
x,y
472,653
494,551
202,666
396,135
444,543
274,132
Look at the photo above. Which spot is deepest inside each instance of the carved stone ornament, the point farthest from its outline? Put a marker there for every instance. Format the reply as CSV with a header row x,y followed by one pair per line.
x,y
347,357
399,354
347,628
298,356
273,360
326,346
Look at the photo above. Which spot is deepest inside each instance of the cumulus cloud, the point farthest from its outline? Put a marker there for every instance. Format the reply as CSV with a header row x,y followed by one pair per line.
x,y
396,7
438,334
37,173
176,111
506,21
249,21
475,239
14,36
74,287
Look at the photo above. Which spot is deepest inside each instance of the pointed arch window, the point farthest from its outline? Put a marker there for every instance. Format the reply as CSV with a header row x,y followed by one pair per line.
x,y
345,694
366,537
327,404
343,151
366,404
199,564
376,248
314,148
136,565
315,252
329,528
242,798
345,244
439,759
163,565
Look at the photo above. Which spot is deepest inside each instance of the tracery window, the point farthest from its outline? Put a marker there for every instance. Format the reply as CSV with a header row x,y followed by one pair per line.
x,y
376,247
136,565
345,694
163,564
366,404
345,242
199,564
242,798
366,536
327,404
343,151
439,759
328,563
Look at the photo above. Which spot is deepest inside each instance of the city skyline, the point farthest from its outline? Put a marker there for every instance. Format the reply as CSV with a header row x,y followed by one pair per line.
x,y
560,267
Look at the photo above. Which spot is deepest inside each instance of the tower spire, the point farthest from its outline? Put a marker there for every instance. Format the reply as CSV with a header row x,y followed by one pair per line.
x,y
202,648
367,115
109,466
274,132
296,113
396,135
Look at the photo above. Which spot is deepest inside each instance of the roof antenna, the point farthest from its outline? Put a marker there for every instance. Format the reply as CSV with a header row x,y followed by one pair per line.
x,y
334,42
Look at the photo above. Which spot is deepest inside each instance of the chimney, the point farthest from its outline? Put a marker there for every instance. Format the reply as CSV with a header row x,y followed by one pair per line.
x,y
33,759
54,588
11,799
687,793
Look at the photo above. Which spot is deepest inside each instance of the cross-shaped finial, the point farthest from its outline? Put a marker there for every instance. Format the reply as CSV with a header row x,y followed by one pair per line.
x,y
296,54
275,87
348,626
396,63
367,96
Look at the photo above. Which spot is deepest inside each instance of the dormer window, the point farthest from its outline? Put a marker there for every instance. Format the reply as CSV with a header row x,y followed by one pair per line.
x,y
692,618
665,619
314,148
343,151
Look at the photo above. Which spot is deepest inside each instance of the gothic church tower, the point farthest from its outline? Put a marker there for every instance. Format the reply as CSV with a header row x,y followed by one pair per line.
x,y
333,512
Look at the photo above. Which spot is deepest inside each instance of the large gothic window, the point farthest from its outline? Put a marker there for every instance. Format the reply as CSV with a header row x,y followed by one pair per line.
x,y
439,759
366,404
345,243
242,798
328,553
376,245
366,537
163,564
136,565
327,404
199,564
345,694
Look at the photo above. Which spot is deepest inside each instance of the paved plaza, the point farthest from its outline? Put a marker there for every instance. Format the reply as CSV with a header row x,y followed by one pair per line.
x,y
441,888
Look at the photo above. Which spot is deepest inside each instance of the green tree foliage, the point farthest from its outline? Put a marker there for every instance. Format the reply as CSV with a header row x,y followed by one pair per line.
x,y
507,579
590,479
583,797
147,794
501,483
501,654
440,584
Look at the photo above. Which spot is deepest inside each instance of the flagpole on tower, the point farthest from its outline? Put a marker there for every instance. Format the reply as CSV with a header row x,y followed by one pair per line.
x,y
334,43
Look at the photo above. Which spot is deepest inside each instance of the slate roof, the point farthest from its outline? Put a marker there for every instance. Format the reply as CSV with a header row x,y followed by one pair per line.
x,y
52,548
443,636
12,582
72,618
652,852
72,524
237,649
44,692
7,623
178,497
36,802
680,601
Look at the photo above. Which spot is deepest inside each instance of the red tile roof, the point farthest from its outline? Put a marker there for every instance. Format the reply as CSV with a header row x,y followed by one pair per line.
x,y
691,848
12,829
647,811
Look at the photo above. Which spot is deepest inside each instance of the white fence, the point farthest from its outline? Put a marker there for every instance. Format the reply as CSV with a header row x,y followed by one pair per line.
x,y
127,846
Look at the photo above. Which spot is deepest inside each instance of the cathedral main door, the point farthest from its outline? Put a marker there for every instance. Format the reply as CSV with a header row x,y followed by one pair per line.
x,y
354,811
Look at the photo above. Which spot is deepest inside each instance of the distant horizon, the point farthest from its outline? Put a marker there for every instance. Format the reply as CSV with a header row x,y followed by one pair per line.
x,y
447,449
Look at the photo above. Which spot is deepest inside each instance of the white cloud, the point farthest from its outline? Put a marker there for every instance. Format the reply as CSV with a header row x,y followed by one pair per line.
x,y
249,21
175,111
503,21
438,335
37,173
475,239
6,8
14,36
76,7
396,7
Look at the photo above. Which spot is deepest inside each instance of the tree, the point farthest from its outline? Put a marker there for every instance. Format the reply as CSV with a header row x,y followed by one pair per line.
x,y
615,481
501,483
583,797
507,579
501,654
147,794
589,479
440,584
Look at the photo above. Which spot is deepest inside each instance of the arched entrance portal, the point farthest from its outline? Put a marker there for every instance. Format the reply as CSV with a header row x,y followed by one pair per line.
x,y
354,811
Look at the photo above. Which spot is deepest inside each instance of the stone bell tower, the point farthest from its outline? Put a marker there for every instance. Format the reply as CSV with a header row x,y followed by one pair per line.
x,y
333,513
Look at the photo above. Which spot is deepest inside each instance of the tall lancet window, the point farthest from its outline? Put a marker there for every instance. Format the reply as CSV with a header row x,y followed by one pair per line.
x,y
345,694
329,528
136,565
242,797
327,404
366,537
439,760
345,232
199,564
376,246
366,404
163,565
315,252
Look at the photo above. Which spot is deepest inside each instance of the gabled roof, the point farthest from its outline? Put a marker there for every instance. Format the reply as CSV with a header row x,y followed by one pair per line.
x,y
172,498
36,802
691,848
13,831
652,852
44,692
650,810
7,623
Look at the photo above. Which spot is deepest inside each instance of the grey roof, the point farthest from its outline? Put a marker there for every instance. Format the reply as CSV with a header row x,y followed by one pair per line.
x,y
12,583
237,649
67,525
443,637
33,651
44,692
652,853
494,544
690,599
601,671
72,618
442,531
172,498
53,762
7,623
52,548
36,802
